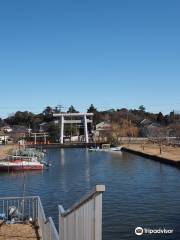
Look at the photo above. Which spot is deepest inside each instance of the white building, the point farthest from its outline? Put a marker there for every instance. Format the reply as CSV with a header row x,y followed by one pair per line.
x,y
7,129
4,139
101,128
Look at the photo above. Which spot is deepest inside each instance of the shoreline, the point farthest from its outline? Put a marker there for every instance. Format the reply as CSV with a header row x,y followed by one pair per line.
x,y
166,154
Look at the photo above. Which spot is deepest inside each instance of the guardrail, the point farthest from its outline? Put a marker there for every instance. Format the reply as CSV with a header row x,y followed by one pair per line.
x,y
47,228
83,221
19,209
26,208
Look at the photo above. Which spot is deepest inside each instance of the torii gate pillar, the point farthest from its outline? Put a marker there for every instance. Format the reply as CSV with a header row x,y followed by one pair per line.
x,y
86,129
62,129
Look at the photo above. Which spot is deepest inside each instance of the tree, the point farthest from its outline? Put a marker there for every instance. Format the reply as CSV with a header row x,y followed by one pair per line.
x,y
142,108
57,109
53,131
92,109
1,122
72,109
48,111
20,118
48,114
160,117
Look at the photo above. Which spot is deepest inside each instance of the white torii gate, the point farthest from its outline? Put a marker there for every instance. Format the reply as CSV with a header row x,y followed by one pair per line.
x,y
40,135
83,119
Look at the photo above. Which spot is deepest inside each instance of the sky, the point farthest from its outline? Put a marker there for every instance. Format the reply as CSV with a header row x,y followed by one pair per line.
x,y
112,53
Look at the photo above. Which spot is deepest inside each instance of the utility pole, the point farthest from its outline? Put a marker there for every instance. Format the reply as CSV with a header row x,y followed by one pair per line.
x,y
60,107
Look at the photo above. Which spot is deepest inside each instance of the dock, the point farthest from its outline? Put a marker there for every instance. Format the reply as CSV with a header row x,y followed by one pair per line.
x,y
162,153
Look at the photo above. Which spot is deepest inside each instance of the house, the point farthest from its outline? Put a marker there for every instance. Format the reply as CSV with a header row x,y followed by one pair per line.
x,y
7,129
145,122
102,127
43,127
101,132
19,131
152,129
5,139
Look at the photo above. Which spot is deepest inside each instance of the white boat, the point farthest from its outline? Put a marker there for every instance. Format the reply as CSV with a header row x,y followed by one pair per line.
x,y
110,149
116,149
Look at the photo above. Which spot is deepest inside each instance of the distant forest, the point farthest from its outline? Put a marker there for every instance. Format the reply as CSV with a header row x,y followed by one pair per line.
x,y
124,122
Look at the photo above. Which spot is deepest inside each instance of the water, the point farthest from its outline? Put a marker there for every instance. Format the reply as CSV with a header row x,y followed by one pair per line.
x,y
139,191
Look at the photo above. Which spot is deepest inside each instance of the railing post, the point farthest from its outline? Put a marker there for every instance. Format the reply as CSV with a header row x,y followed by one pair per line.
x,y
98,217
61,223
83,221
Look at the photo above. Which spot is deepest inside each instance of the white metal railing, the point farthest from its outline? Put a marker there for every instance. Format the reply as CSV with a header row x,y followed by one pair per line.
x,y
46,226
28,208
83,221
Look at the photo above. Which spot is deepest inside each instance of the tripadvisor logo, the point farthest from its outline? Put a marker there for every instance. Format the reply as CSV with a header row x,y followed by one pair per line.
x,y
140,231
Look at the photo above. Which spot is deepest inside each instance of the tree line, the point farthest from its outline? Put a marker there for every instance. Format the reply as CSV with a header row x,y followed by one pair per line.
x,y
125,122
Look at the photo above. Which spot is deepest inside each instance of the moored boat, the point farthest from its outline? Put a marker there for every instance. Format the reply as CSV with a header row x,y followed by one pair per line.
x,y
20,163
105,149
29,152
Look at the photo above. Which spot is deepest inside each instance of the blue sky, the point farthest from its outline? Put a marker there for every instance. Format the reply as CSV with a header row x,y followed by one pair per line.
x,y
118,53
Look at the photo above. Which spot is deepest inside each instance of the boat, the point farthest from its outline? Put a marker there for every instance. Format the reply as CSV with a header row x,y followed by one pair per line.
x,y
20,163
30,152
105,148
116,149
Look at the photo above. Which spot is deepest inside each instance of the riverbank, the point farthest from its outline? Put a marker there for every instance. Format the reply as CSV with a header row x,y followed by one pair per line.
x,y
6,150
166,154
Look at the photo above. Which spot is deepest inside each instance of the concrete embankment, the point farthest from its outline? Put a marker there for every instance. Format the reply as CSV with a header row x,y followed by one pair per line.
x,y
164,154
65,145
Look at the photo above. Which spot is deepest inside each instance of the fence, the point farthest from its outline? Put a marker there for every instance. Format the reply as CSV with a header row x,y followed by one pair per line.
x,y
46,226
28,208
84,220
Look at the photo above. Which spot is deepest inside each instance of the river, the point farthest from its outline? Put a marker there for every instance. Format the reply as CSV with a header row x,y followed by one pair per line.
x,y
139,191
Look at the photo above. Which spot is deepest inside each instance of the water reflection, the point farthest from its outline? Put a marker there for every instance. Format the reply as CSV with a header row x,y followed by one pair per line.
x,y
87,168
62,157
139,191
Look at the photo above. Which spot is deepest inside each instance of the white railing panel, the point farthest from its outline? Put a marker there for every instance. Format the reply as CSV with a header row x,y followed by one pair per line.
x,y
84,220
46,226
